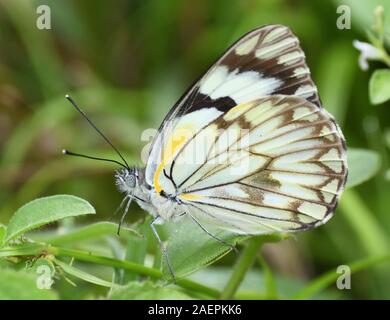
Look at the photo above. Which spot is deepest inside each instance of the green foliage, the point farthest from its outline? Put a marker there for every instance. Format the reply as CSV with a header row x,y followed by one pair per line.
x,y
373,238
331,276
136,250
19,285
271,289
126,85
35,266
182,248
3,232
360,12
72,271
379,86
362,165
44,211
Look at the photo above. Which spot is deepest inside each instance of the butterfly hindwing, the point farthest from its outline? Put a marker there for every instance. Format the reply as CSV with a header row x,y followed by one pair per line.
x,y
284,170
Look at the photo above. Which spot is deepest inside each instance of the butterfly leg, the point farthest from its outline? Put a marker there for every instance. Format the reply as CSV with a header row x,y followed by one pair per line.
x,y
124,214
212,235
119,207
162,246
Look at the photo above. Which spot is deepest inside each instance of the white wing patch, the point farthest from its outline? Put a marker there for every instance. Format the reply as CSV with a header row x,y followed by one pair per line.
x,y
275,34
239,86
274,49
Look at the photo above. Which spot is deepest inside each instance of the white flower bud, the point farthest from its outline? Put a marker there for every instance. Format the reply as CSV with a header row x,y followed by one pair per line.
x,y
367,52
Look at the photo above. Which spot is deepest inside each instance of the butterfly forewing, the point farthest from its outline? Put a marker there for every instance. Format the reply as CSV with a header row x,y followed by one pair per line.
x,y
265,61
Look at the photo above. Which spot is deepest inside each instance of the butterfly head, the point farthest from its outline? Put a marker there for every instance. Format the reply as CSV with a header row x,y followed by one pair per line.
x,y
127,179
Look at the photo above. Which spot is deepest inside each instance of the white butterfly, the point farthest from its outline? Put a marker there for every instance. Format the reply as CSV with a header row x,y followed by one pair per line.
x,y
248,148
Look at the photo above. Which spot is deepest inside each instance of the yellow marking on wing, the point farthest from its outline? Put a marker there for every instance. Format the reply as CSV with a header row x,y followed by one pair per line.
x,y
179,137
237,111
157,186
190,196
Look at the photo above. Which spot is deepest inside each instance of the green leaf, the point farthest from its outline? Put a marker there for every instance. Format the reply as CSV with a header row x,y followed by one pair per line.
x,y
46,210
40,263
92,231
190,248
19,285
3,232
147,291
379,86
83,275
41,268
362,165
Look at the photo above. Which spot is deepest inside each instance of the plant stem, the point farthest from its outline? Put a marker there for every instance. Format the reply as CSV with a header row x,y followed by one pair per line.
x,y
40,248
27,249
243,264
385,57
106,261
328,278
271,290
371,234
131,266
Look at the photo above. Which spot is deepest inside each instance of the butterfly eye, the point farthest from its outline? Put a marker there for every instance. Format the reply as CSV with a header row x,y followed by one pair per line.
x,y
131,179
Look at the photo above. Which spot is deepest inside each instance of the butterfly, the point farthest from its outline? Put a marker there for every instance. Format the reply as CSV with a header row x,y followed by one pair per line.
x,y
248,148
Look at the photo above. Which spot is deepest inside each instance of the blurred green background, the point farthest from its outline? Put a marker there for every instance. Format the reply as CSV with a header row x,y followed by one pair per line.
x,y
127,62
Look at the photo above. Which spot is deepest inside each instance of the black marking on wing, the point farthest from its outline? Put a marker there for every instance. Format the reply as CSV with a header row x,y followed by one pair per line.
x,y
201,101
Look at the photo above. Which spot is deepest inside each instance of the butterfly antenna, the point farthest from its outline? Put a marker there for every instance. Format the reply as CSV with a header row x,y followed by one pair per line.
x,y
70,99
70,153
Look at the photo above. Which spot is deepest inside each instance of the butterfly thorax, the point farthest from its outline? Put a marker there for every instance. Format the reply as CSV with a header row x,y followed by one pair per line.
x,y
132,182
